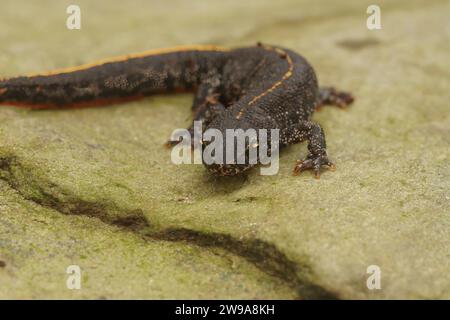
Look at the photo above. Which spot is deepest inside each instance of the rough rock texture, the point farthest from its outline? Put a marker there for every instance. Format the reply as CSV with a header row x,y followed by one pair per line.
x,y
96,185
38,244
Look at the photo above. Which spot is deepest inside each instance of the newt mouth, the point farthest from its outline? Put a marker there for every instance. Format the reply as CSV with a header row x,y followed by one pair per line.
x,y
227,170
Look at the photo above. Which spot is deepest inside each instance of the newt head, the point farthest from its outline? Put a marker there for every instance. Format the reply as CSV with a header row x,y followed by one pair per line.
x,y
233,145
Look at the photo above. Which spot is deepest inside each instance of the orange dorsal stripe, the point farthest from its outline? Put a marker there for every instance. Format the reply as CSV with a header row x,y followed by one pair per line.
x,y
131,56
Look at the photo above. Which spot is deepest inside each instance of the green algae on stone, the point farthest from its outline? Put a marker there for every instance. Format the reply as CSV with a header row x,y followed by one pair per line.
x,y
387,204
37,245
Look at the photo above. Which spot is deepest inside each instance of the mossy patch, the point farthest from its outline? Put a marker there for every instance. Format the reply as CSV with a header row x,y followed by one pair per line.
x,y
387,204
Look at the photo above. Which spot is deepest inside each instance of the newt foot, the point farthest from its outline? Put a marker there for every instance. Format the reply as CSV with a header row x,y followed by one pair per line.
x,y
313,163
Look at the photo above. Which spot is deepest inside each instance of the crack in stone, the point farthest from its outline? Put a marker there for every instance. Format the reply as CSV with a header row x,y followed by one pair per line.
x,y
49,195
265,256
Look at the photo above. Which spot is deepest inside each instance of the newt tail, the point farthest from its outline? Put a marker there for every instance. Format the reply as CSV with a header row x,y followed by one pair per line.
x,y
113,80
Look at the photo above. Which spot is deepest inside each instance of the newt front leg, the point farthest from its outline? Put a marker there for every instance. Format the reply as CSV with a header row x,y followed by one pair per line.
x,y
317,153
313,132
205,106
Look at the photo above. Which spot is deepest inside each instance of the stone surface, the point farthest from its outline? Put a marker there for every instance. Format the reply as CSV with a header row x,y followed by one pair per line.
x,y
37,245
387,204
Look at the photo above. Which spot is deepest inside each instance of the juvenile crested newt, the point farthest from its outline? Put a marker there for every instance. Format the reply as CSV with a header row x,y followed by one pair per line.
x,y
260,87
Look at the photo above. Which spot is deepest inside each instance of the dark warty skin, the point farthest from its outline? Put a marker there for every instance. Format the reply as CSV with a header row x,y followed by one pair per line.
x,y
260,87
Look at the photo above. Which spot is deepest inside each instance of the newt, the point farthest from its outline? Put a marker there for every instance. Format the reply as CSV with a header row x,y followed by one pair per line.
x,y
260,87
